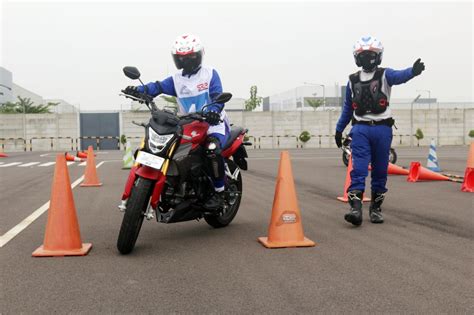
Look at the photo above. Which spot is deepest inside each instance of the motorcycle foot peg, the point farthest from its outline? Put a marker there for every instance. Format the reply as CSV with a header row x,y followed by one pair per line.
x,y
122,206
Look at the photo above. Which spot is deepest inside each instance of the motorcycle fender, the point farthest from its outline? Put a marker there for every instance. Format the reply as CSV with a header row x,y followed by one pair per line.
x,y
155,196
128,185
233,148
239,158
148,172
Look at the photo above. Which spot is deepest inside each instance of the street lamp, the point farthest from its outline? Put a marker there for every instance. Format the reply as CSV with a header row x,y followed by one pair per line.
x,y
411,118
324,91
429,96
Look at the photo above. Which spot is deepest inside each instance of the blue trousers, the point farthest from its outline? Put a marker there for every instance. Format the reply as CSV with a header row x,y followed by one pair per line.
x,y
370,144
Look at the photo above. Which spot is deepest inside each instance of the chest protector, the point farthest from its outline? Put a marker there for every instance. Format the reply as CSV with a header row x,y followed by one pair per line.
x,y
367,96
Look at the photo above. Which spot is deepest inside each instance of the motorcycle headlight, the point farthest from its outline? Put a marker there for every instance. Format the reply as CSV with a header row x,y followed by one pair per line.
x,y
157,142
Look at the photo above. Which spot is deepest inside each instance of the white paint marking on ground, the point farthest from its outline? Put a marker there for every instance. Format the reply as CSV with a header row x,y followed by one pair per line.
x,y
8,236
28,164
47,164
70,163
10,164
82,164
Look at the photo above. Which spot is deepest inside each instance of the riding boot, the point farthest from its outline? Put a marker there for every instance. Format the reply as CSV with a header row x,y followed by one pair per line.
x,y
375,212
354,216
216,202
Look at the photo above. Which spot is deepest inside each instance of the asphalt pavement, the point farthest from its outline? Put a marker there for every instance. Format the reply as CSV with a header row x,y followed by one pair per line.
x,y
419,261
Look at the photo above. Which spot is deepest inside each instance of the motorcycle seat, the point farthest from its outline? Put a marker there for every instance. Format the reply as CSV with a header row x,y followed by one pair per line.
x,y
234,133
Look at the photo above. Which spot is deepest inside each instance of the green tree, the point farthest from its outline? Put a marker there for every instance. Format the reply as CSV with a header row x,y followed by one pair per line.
x,y
254,101
171,101
27,106
305,136
419,135
471,133
314,103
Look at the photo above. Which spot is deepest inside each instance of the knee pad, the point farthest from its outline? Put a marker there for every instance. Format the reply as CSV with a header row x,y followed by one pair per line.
x,y
216,161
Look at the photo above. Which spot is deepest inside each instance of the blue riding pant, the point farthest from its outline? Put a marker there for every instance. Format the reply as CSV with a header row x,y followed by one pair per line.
x,y
370,144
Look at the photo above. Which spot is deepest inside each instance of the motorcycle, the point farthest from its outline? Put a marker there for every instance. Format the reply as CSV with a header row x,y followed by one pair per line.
x,y
170,180
346,152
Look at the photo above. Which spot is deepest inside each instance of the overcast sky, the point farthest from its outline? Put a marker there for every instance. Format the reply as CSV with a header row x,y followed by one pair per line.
x,y
76,50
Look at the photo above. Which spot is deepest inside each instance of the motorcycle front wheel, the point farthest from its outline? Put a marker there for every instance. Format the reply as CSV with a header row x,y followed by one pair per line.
x,y
132,221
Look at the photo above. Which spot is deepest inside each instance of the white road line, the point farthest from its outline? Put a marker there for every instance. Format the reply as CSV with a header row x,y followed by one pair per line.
x,y
10,164
47,164
28,164
70,163
82,164
8,236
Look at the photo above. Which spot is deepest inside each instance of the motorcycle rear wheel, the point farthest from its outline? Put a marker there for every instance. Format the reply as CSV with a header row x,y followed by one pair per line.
x,y
133,218
233,191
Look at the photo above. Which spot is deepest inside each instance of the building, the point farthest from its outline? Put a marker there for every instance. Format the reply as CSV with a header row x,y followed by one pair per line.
x,y
9,92
6,86
299,98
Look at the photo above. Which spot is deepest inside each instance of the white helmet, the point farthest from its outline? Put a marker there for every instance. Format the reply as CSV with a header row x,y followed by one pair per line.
x,y
368,52
187,53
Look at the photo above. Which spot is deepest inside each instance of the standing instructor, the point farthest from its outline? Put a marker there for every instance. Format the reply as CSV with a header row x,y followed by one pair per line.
x,y
367,104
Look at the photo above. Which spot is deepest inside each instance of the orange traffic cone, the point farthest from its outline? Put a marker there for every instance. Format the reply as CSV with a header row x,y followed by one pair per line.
x,y
418,172
397,170
81,155
90,176
344,197
286,229
470,157
468,183
3,155
72,158
62,236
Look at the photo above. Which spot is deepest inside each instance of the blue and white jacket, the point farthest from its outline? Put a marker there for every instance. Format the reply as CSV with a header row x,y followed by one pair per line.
x,y
192,93
390,77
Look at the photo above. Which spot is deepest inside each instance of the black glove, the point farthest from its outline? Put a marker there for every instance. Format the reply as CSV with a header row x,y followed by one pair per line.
x,y
213,117
338,138
131,90
418,67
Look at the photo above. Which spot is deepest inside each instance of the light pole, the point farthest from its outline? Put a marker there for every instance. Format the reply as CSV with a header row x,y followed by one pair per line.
x,y
429,96
324,91
411,118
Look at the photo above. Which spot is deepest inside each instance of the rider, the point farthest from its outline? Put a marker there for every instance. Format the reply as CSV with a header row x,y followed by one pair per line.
x,y
367,104
195,86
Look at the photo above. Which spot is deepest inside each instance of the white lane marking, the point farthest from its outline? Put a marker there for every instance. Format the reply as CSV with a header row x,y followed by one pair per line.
x,y
70,163
82,164
1,163
10,164
46,154
8,236
47,164
28,164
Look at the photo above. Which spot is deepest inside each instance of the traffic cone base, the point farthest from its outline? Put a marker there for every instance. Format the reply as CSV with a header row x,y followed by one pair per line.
x,y
41,252
3,155
419,173
90,185
285,229
346,199
304,243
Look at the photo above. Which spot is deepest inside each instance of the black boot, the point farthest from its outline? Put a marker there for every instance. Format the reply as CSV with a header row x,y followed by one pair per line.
x,y
216,202
375,212
355,200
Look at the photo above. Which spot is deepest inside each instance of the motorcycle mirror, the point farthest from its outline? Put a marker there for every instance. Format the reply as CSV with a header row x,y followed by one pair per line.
x,y
223,98
131,72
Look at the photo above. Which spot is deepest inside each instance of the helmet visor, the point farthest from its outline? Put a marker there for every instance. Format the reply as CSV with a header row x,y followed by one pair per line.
x,y
188,62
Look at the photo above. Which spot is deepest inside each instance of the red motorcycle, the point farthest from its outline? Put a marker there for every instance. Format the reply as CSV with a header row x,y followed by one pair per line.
x,y
171,180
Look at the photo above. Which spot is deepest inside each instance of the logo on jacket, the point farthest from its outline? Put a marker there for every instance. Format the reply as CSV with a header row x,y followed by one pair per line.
x,y
185,91
202,86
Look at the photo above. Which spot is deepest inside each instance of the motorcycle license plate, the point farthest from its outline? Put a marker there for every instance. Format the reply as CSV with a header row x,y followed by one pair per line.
x,y
150,160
